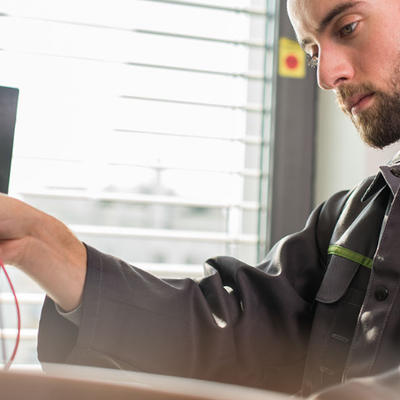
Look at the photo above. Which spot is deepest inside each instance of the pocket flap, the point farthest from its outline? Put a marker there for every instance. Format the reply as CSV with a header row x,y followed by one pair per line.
x,y
339,274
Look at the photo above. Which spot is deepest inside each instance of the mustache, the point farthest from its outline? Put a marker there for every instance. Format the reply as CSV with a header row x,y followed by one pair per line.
x,y
347,91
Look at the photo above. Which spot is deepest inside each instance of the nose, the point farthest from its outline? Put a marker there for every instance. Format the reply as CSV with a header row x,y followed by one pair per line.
x,y
335,67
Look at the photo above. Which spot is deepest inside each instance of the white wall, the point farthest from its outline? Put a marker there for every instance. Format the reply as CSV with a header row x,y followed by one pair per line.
x,y
342,158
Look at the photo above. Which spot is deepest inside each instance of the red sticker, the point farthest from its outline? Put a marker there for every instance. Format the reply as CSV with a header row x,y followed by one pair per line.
x,y
292,62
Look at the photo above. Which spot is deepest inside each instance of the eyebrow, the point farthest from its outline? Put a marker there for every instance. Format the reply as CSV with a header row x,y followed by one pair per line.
x,y
339,9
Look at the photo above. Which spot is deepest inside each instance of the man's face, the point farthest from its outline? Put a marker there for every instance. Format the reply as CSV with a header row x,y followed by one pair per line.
x,y
355,46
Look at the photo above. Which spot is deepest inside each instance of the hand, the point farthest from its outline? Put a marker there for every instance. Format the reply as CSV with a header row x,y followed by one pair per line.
x,y
45,249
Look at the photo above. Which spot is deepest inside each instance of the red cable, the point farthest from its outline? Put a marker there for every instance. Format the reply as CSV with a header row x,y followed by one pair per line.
x,y
10,361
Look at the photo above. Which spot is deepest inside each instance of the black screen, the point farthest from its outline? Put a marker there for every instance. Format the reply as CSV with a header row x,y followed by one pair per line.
x,y
8,113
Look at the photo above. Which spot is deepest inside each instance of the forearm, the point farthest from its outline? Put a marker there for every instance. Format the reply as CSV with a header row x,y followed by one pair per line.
x,y
45,249
57,262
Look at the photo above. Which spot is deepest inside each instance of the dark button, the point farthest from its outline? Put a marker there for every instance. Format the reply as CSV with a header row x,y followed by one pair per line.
x,y
395,171
381,293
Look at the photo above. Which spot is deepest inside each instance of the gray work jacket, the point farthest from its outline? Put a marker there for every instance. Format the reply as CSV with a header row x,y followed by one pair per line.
x,y
322,307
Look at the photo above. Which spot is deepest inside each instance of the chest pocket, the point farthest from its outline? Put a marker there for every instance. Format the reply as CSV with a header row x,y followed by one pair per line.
x,y
338,304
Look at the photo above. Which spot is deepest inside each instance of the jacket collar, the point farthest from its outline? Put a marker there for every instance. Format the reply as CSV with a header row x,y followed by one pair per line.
x,y
385,177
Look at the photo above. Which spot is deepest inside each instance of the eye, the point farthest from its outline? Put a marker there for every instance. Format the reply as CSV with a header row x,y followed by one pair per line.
x,y
348,29
312,60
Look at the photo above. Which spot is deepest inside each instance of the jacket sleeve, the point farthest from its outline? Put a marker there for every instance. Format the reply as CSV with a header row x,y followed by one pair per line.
x,y
239,324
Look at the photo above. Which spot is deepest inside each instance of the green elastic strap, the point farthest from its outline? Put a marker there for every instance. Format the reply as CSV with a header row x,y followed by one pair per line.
x,y
350,255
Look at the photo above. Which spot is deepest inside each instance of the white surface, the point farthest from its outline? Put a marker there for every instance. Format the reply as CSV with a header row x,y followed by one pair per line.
x,y
167,384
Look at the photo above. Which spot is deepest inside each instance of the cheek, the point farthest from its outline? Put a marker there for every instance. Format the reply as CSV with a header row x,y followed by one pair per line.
x,y
380,55
376,63
384,67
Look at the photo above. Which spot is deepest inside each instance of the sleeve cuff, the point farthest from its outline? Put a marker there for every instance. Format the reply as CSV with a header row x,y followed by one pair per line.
x,y
73,316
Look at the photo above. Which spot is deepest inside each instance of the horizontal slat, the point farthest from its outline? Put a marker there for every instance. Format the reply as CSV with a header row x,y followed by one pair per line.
x,y
246,76
23,298
250,139
203,38
172,270
253,173
135,198
245,108
167,234
25,367
64,22
249,11
26,334
143,31
237,10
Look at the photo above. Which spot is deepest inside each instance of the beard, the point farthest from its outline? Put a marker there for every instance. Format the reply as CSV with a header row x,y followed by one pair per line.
x,y
379,124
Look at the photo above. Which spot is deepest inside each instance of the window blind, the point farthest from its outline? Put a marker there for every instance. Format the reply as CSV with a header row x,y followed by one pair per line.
x,y
144,125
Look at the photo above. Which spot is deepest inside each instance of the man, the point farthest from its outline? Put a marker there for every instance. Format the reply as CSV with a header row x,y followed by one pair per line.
x,y
321,308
